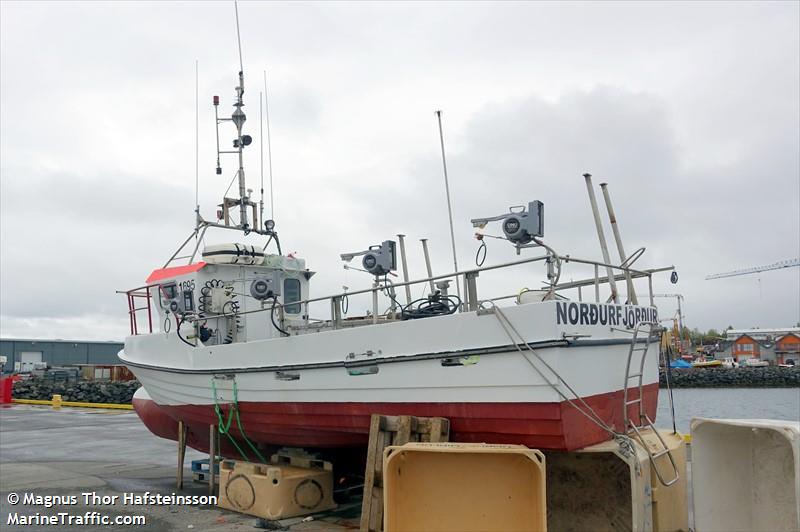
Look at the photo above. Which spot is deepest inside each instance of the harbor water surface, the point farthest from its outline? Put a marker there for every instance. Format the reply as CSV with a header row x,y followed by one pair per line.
x,y
749,403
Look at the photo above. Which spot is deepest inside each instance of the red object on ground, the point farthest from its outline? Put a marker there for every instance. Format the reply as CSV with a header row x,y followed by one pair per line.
x,y
6,385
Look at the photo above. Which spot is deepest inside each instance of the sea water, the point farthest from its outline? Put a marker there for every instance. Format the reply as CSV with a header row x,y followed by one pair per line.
x,y
746,403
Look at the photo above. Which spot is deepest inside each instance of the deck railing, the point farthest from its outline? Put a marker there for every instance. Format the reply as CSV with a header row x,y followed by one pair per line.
x,y
134,296
467,280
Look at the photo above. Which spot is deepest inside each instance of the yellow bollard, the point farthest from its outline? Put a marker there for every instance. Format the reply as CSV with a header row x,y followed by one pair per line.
x,y
56,400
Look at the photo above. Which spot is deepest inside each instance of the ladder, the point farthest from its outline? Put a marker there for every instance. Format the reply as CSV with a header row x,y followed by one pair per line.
x,y
643,421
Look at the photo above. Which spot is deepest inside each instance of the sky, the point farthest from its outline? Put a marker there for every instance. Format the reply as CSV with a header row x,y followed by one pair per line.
x,y
689,111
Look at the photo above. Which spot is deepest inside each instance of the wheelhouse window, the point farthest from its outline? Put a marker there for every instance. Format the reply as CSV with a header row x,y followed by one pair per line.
x,y
291,294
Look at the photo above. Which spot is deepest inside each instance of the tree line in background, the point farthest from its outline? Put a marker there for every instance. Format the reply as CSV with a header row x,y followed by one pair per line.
x,y
698,337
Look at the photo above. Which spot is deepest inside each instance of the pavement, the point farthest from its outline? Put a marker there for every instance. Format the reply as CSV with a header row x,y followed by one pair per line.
x,y
50,458
104,453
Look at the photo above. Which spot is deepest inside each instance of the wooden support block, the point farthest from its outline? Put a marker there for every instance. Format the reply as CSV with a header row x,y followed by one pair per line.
x,y
383,432
181,452
439,430
403,434
374,450
212,458
299,461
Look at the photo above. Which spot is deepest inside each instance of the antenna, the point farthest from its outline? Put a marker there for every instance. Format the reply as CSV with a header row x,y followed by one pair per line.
x,y
196,146
238,119
269,151
238,35
449,207
261,141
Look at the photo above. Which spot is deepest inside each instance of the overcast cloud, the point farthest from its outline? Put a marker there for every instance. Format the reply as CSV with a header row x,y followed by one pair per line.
x,y
690,111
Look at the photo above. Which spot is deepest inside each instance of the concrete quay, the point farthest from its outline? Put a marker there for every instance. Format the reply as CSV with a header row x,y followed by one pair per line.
x,y
72,451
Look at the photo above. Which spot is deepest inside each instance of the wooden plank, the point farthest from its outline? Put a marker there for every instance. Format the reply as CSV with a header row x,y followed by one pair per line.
x,y
181,452
307,462
376,510
439,430
388,423
415,423
385,431
369,477
424,428
212,458
403,434
384,440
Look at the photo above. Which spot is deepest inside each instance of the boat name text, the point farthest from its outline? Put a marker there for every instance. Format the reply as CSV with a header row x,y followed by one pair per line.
x,y
593,314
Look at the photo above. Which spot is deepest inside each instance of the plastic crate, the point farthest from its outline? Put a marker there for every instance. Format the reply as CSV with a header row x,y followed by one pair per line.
x,y
466,487
746,474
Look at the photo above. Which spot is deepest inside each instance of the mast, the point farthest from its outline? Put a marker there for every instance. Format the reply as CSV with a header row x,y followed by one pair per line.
x,y
238,118
239,143
253,223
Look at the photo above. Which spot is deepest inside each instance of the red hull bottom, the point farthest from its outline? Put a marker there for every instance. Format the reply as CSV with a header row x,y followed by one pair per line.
x,y
553,426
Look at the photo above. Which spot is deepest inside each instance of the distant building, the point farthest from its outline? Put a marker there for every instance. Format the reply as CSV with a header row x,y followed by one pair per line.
x,y
23,355
787,348
745,346
761,335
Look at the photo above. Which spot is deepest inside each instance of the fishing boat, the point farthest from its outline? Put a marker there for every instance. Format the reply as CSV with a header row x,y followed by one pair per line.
x,y
224,332
704,363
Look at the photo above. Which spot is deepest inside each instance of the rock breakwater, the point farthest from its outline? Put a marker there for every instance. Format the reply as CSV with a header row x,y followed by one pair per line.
x,y
82,391
766,377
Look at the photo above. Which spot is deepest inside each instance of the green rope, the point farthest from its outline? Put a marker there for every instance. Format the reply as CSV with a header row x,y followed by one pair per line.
x,y
218,411
224,426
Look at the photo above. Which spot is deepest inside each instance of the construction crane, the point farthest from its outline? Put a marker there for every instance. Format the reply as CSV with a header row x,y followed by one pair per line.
x,y
678,328
789,263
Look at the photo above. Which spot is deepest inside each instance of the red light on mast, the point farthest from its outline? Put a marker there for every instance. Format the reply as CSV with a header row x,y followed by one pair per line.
x,y
216,100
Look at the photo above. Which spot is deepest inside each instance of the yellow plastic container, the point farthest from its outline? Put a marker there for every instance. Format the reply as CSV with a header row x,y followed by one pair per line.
x,y
274,491
670,503
607,488
435,487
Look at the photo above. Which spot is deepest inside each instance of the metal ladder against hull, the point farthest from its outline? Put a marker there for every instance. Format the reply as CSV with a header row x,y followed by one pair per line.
x,y
644,421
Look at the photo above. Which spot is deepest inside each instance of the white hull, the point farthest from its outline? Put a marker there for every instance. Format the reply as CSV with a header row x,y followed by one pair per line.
x,y
408,356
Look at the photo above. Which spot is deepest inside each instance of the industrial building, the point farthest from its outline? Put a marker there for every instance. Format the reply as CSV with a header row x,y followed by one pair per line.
x,y
761,335
23,354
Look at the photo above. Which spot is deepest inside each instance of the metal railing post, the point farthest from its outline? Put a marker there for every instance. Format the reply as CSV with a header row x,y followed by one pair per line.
x,y
131,306
428,263
336,312
466,303
375,286
149,313
471,290
596,284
